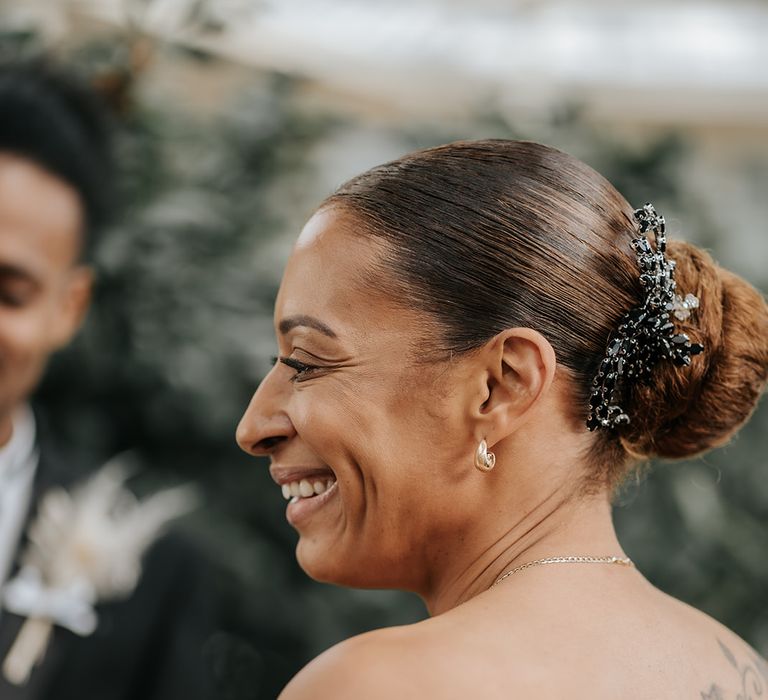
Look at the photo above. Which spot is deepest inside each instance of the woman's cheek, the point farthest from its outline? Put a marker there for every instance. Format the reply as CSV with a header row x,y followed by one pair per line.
x,y
321,426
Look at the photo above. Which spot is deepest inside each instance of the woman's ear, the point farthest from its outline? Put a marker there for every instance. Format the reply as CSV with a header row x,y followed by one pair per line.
x,y
518,366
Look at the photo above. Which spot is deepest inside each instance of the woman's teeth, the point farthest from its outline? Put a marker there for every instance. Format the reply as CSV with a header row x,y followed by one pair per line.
x,y
306,488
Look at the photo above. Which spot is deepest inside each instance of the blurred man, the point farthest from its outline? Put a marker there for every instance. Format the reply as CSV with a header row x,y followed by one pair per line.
x,y
54,183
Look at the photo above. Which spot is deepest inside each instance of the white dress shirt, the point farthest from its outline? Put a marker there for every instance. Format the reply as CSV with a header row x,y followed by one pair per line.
x,y
18,462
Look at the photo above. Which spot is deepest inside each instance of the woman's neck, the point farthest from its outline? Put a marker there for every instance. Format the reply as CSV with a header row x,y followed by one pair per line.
x,y
550,526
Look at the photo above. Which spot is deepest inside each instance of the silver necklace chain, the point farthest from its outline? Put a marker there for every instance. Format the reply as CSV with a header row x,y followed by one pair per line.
x,y
621,561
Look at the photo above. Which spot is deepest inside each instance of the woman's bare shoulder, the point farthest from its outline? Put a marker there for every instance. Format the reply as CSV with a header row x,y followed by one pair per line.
x,y
371,665
437,657
734,667
666,650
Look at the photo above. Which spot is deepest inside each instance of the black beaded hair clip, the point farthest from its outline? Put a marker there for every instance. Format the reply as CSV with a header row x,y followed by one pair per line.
x,y
645,334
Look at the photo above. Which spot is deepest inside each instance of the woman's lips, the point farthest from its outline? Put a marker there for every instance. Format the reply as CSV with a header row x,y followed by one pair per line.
x,y
300,510
285,475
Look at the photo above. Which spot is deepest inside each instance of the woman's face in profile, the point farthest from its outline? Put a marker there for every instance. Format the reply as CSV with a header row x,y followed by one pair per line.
x,y
354,400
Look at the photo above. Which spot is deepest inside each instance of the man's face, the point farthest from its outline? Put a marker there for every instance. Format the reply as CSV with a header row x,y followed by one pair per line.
x,y
43,290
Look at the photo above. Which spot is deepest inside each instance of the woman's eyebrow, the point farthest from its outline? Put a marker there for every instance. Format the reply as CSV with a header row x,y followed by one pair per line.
x,y
291,322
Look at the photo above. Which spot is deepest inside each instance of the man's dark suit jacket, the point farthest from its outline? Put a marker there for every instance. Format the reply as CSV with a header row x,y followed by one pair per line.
x,y
147,647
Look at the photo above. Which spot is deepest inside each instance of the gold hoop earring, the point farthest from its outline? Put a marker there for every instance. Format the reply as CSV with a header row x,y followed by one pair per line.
x,y
484,460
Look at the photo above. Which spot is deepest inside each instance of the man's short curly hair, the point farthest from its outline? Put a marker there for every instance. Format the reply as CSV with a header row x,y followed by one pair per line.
x,y
51,118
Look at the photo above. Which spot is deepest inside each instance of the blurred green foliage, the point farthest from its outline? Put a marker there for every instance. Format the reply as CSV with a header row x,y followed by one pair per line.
x,y
181,329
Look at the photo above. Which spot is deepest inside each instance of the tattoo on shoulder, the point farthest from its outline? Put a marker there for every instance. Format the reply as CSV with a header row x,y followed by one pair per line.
x,y
714,693
762,666
753,677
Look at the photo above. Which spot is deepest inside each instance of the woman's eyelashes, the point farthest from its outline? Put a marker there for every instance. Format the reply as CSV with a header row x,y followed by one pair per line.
x,y
303,370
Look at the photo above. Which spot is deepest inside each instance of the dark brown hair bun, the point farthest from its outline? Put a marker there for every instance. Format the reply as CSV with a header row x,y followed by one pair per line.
x,y
683,412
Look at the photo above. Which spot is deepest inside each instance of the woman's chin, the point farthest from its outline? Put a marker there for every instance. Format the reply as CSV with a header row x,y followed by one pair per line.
x,y
323,564
329,565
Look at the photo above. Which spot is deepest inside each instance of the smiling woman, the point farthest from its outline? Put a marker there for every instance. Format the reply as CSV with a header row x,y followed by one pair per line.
x,y
450,325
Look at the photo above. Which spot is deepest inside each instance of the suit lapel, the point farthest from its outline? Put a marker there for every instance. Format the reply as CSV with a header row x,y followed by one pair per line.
x,y
53,471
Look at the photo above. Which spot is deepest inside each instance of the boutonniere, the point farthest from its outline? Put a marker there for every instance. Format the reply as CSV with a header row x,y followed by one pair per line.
x,y
85,547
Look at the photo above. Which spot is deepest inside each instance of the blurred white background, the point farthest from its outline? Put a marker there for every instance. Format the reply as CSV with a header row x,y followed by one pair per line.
x,y
635,69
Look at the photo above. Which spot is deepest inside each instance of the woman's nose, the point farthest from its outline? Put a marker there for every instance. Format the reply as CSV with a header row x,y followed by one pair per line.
x,y
264,424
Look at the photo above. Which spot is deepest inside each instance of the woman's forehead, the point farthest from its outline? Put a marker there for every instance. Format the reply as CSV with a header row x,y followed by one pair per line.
x,y
331,273
320,223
